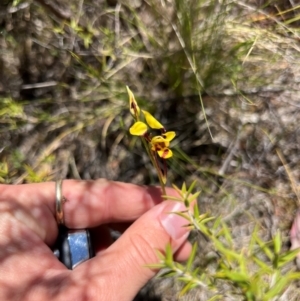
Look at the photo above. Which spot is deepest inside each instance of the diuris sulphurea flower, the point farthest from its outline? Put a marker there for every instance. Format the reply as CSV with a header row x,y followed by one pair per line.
x,y
159,143
153,123
133,106
155,144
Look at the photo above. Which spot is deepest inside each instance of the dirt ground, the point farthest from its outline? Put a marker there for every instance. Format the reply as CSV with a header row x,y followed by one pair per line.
x,y
63,108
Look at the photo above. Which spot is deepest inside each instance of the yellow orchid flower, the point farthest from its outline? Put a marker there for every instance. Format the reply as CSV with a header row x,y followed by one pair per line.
x,y
133,106
158,144
138,129
161,144
169,136
152,122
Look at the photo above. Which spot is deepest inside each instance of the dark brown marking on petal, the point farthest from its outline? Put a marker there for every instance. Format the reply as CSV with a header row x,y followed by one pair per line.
x,y
165,153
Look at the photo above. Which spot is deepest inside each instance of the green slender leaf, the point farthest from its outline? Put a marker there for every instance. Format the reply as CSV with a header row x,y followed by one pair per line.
x,y
179,266
191,187
264,248
167,274
171,198
293,276
196,210
233,276
262,264
176,188
226,251
169,255
191,257
187,288
193,197
277,289
160,255
183,188
253,242
185,278
217,223
206,220
243,263
277,243
227,233
184,215
288,257
250,296
195,273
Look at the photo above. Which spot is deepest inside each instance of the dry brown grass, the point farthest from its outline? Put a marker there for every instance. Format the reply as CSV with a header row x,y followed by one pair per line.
x,y
63,105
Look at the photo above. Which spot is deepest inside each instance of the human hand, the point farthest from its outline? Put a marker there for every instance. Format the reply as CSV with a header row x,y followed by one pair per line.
x,y
30,271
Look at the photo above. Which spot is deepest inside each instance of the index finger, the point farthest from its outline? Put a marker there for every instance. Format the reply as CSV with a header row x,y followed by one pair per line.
x,y
88,203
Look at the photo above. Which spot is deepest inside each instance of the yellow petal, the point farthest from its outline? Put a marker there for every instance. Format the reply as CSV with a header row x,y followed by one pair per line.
x,y
133,106
138,129
165,153
158,139
169,135
160,142
152,122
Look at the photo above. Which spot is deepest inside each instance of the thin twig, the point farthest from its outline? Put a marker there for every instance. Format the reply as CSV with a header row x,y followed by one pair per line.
x,y
289,173
196,73
234,147
56,10
39,85
240,3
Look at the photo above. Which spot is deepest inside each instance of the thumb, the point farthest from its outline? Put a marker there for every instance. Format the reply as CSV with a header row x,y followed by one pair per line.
x,y
295,236
123,263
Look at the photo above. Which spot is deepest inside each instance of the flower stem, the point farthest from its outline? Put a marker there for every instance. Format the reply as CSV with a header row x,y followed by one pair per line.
x,y
155,164
159,173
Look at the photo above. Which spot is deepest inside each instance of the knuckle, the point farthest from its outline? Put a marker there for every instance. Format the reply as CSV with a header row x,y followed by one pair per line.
x,y
143,250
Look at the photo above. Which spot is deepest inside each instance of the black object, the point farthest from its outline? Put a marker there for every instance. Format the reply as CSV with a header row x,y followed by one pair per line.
x,y
73,247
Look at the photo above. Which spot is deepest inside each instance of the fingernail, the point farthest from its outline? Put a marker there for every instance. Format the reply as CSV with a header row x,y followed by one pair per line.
x,y
295,232
173,223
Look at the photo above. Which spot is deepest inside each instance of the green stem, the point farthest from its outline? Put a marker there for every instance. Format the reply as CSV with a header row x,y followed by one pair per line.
x,y
155,164
160,176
